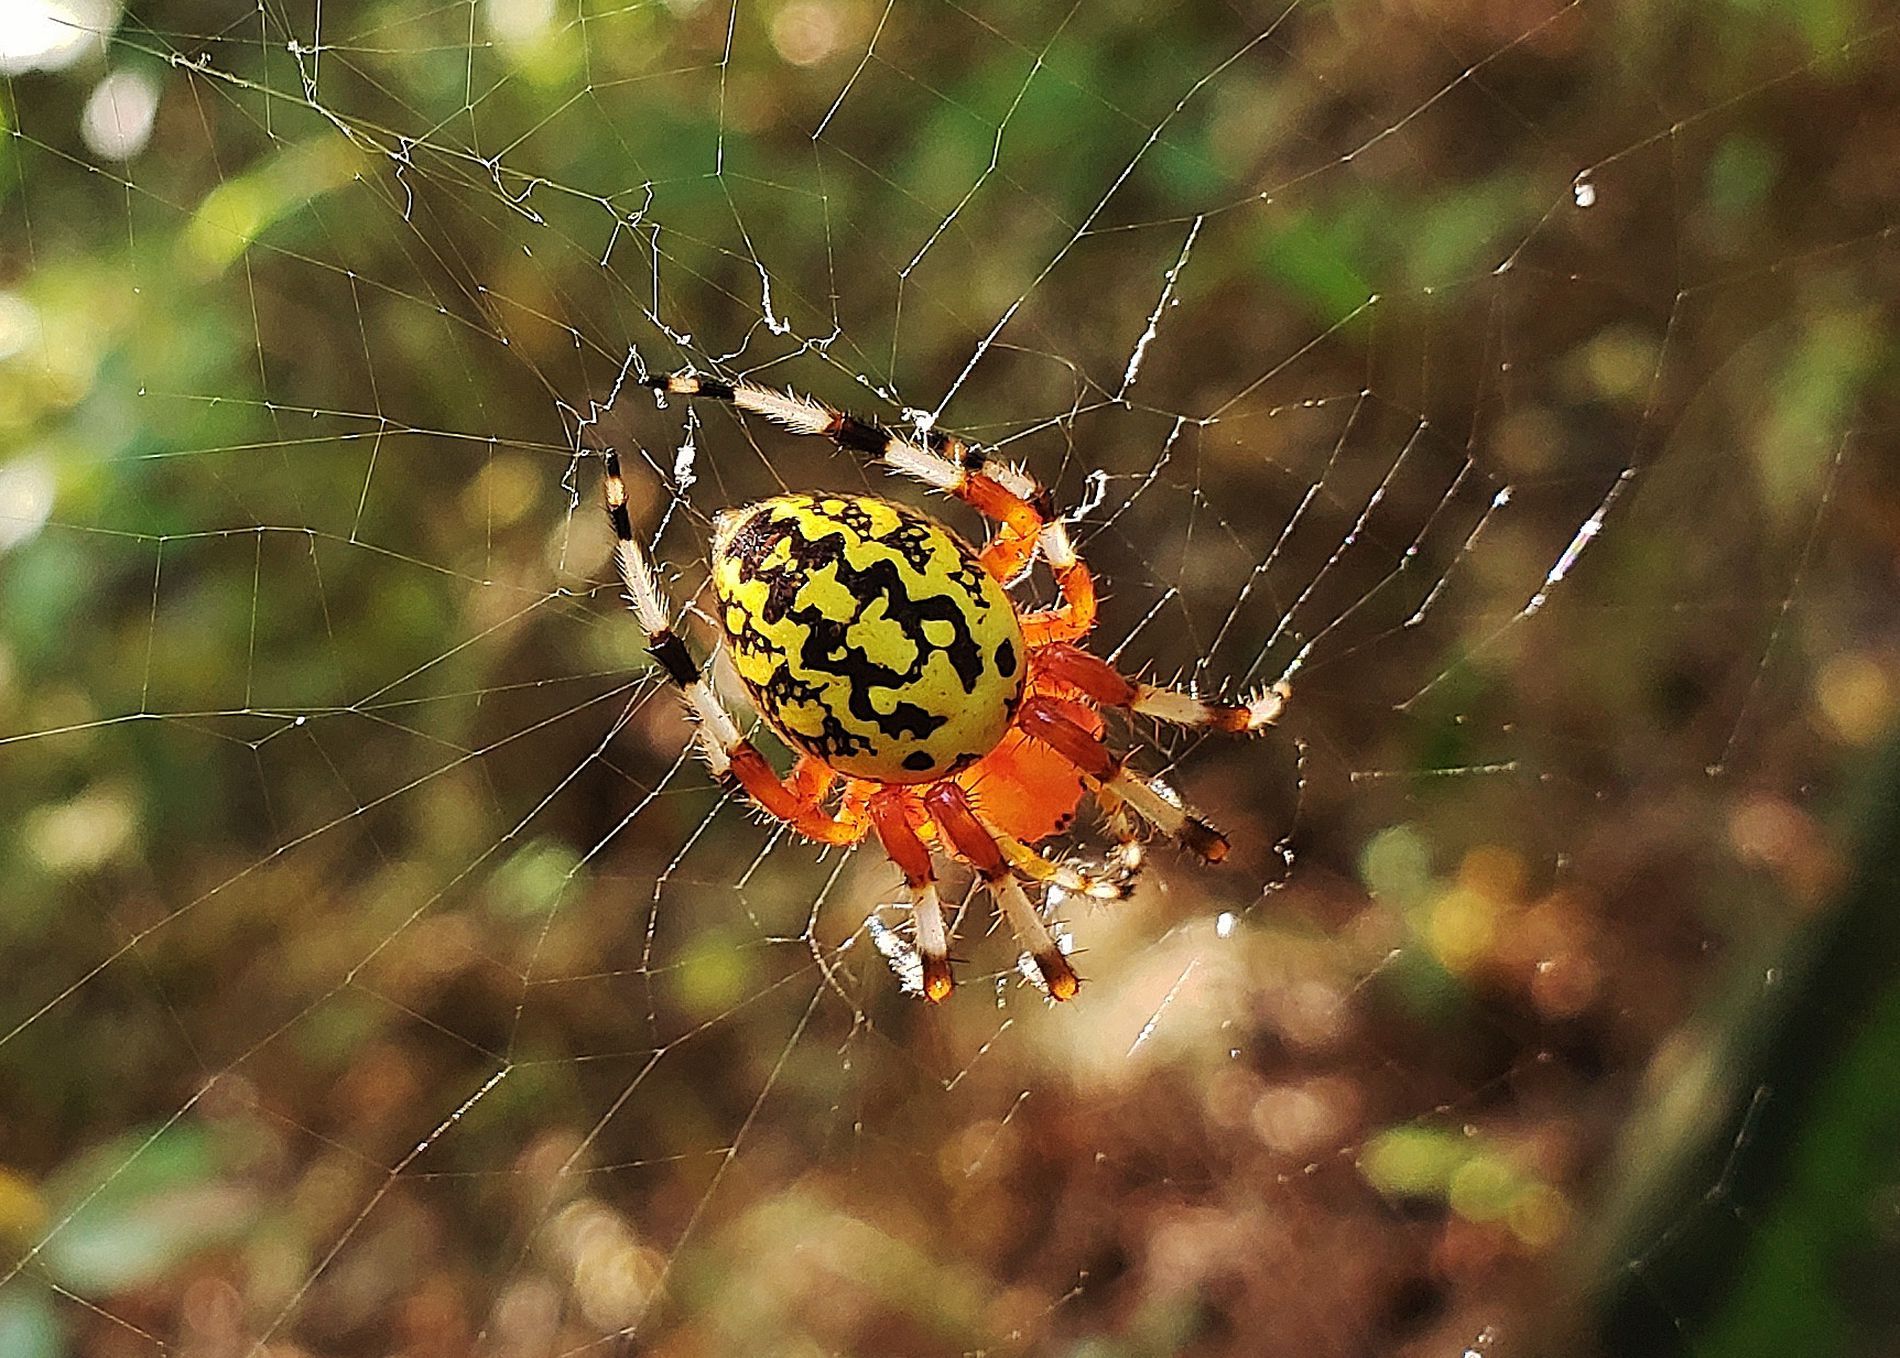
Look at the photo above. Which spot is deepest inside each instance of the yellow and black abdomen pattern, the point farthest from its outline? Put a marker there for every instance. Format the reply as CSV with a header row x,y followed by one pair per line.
x,y
867,634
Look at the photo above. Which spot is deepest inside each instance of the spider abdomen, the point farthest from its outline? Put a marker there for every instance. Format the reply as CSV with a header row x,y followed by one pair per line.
x,y
868,635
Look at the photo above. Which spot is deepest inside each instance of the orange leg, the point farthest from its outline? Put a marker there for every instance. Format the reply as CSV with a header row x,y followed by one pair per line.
x,y
891,810
1110,688
1074,617
811,778
1025,525
1007,555
950,808
1019,523
1043,719
795,802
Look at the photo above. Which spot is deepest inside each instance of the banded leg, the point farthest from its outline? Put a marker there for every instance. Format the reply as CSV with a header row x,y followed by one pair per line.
x,y
1043,719
1016,543
950,808
1110,688
1001,493
730,755
899,837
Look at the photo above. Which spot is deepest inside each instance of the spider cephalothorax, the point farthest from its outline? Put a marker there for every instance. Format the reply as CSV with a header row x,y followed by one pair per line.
x,y
925,707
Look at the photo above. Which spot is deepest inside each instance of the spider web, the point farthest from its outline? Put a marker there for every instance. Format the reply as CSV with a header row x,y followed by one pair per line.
x,y
384,973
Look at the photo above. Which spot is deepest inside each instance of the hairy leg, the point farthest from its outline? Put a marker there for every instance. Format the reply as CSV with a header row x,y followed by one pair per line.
x,y
891,811
1023,509
1110,688
731,756
950,810
1043,719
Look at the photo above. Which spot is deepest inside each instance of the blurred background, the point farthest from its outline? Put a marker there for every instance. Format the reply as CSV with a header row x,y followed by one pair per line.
x,y
379,974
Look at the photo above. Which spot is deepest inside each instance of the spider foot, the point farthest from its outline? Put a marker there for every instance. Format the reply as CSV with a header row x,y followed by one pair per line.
x,y
1265,707
1050,973
933,943
1040,946
1201,839
936,982
1110,880
919,970
1134,804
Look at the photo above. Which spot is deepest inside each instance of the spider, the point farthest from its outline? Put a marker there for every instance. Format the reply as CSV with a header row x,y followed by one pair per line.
x,y
925,707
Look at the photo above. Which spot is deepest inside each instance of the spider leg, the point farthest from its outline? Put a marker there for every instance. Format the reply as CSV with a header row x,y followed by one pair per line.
x,y
1111,884
950,808
1105,684
732,757
1044,720
784,801
1023,509
1124,826
1008,554
812,779
890,815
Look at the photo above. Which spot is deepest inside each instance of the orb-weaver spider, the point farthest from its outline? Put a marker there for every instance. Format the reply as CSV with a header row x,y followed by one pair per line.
x,y
926,709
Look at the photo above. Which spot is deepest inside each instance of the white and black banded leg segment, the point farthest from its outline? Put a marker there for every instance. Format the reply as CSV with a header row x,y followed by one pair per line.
x,y
1007,496
732,757
942,461
715,730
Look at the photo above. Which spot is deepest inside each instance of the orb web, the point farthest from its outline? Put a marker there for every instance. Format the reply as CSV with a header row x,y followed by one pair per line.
x,y
383,965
